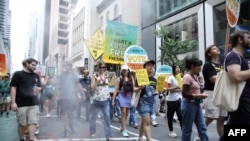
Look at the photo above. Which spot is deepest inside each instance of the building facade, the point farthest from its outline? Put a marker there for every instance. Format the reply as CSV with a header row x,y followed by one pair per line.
x,y
5,16
201,20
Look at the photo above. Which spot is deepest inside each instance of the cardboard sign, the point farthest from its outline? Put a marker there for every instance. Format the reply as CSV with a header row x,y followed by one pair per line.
x,y
95,44
134,57
142,77
41,69
160,82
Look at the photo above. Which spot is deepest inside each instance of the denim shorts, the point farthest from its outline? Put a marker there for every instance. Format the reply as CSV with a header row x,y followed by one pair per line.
x,y
144,107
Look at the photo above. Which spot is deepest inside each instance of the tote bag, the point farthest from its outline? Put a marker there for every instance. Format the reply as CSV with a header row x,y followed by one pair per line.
x,y
135,98
227,93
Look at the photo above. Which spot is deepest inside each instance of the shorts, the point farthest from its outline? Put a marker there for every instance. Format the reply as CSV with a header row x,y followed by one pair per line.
x,y
68,105
144,108
212,111
27,115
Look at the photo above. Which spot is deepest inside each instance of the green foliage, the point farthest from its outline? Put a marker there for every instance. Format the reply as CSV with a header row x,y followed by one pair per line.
x,y
171,48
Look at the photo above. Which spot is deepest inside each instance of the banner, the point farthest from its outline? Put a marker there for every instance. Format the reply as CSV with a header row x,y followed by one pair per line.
x,y
118,37
3,70
233,12
95,44
142,77
134,57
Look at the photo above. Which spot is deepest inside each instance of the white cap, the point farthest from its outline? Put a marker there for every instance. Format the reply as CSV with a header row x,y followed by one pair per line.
x,y
124,67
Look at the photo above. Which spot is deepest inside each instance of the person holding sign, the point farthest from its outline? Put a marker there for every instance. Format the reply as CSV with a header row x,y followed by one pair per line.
x,y
124,88
173,100
145,105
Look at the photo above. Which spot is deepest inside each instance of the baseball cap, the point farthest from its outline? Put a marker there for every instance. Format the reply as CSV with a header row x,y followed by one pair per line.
x,y
148,61
124,67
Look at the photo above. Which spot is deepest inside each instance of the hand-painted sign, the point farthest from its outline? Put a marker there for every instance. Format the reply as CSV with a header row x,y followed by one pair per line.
x,y
163,71
134,57
233,12
41,69
142,77
118,37
95,44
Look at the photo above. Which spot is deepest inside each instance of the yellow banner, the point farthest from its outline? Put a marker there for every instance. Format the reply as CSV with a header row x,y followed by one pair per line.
x,y
3,70
95,44
142,77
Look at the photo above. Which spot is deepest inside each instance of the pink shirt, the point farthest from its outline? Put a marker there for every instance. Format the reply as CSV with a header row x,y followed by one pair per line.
x,y
193,83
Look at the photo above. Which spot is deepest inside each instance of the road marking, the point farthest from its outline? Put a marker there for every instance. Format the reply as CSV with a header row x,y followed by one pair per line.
x,y
89,139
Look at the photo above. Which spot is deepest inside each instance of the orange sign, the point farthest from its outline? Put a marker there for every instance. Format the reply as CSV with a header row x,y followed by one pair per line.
x,y
233,11
3,70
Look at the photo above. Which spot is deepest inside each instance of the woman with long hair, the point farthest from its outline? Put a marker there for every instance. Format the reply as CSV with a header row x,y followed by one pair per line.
x,y
173,100
124,88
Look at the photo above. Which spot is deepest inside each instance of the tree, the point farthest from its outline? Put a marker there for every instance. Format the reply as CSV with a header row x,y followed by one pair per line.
x,y
171,48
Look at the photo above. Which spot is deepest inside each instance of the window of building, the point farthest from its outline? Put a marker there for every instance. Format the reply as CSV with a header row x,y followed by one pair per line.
x,y
166,7
62,26
62,41
63,10
63,18
64,3
107,15
101,21
116,11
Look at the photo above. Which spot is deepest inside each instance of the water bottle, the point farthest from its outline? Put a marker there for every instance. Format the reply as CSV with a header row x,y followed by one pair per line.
x,y
35,90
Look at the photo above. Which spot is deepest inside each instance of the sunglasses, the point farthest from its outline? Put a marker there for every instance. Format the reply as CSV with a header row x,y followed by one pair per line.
x,y
102,67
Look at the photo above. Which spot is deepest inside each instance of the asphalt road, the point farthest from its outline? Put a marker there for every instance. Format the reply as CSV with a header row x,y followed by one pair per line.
x,y
51,129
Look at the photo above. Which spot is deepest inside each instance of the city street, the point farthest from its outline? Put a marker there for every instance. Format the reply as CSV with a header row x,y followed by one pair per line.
x,y
51,130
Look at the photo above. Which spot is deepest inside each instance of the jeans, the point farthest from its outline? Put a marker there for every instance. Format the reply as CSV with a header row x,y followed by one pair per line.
x,y
115,109
192,112
173,106
132,116
104,106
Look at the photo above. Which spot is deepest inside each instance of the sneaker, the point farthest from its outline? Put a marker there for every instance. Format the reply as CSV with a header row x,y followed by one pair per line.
x,y
37,131
65,133
48,115
197,138
154,123
93,136
125,133
136,125
140,139
172,134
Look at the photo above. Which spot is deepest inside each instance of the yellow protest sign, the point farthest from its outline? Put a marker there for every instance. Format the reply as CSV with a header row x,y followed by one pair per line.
x,y
179,80
142,77
95,44
160,82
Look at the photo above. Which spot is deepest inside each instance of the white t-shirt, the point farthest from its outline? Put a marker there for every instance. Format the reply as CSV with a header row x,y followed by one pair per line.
x,y
173,96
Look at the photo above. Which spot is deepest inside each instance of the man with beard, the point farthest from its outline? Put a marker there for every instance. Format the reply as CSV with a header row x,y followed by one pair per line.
x,y
238,70
24,89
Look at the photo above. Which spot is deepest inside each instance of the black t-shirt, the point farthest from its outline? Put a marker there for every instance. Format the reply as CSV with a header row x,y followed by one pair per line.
x,y
210,69
24,83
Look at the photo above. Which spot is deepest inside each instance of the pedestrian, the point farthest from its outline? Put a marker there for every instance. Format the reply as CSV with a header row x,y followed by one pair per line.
x,y
124,87
132,116
210,70
238,70
24,89
101,101
145,105
190,106
85,82
5,90
155,106
49,93
68,90
173,100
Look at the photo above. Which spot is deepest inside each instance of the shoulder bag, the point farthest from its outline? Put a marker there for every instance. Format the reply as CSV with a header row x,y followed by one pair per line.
x,y
227,93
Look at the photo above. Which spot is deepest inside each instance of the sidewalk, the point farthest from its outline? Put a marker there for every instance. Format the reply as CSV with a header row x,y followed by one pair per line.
x,y
8,127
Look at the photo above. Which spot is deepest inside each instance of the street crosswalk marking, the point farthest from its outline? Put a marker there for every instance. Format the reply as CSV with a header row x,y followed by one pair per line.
x,y
96,139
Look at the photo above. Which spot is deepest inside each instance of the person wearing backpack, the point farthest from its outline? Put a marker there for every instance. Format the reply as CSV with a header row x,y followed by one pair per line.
x,y
49,92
